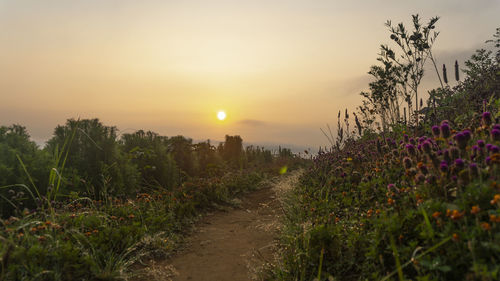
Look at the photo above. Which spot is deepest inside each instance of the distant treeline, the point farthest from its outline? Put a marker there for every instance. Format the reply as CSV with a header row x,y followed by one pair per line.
x,y
91,159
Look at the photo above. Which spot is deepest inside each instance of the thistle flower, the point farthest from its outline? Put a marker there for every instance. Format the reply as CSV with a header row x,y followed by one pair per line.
x,y
474,170
427,146
445,130
461,140
481,143
443,166
411,149
486,118
435,131
459,163
492,148
495,134
406,138
407,163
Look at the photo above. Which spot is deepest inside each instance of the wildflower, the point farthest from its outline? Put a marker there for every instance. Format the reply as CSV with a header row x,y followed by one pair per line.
x,y
427,146
474,170
411,149
455,237
481,143
495,158
459,163
461,140
407,163
493,218
436,215
113,217
456,215
475,210
494,149
495,134
487,160
131,216
391,187
42,238
390,201
406,138
88,233
486,118
72,216
485,226
445,130
435,131
421,166
495,200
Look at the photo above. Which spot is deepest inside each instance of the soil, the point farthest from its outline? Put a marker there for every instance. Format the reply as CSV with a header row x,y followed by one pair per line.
x,y
236,244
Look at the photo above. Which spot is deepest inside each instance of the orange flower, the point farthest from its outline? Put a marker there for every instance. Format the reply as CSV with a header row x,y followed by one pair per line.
x,y
455,237
475,209
131,216
377,211
113,217
493,218
42,238
436,215
88,233
48,223
390,201
496,198
33,229
72,216
485,226
456,215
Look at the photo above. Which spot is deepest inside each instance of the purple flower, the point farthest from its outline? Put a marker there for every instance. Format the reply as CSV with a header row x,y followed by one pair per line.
x,y
406,138
445,130
443,166
391,187
459,163
496,126
488,146
481,143
467,134
461,140
411,149
487,160
427,146
495,149
435,131
495,134
422,139
474,170
486,117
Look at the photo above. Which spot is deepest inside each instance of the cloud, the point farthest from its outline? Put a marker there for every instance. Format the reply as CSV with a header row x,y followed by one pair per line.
x,y
252,123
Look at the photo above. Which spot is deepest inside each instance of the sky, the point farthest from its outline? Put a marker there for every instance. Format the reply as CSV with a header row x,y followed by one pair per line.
x,y
281,70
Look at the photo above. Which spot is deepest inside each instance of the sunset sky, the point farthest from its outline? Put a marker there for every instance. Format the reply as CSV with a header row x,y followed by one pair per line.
x,y
279,69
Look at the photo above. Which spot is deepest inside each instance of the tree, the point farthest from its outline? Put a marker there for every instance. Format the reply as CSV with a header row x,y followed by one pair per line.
x,y
95,163
416,47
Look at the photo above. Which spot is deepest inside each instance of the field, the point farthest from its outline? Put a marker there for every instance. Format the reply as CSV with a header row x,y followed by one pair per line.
x,y
404,191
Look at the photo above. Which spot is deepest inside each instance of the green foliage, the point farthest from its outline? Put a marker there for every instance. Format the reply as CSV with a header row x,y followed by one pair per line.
x,y
96,166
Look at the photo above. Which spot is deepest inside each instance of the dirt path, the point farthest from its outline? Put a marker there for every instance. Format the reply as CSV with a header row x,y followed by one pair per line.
x,y
231,245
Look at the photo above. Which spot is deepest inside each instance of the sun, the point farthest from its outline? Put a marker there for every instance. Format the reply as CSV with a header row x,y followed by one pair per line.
x,y
221,115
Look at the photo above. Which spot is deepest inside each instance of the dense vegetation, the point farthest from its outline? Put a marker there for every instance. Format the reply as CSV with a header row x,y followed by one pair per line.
x,y
408,194
90,204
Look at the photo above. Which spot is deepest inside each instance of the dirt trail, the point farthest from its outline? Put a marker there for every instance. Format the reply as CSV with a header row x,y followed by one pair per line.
x,y
231,245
